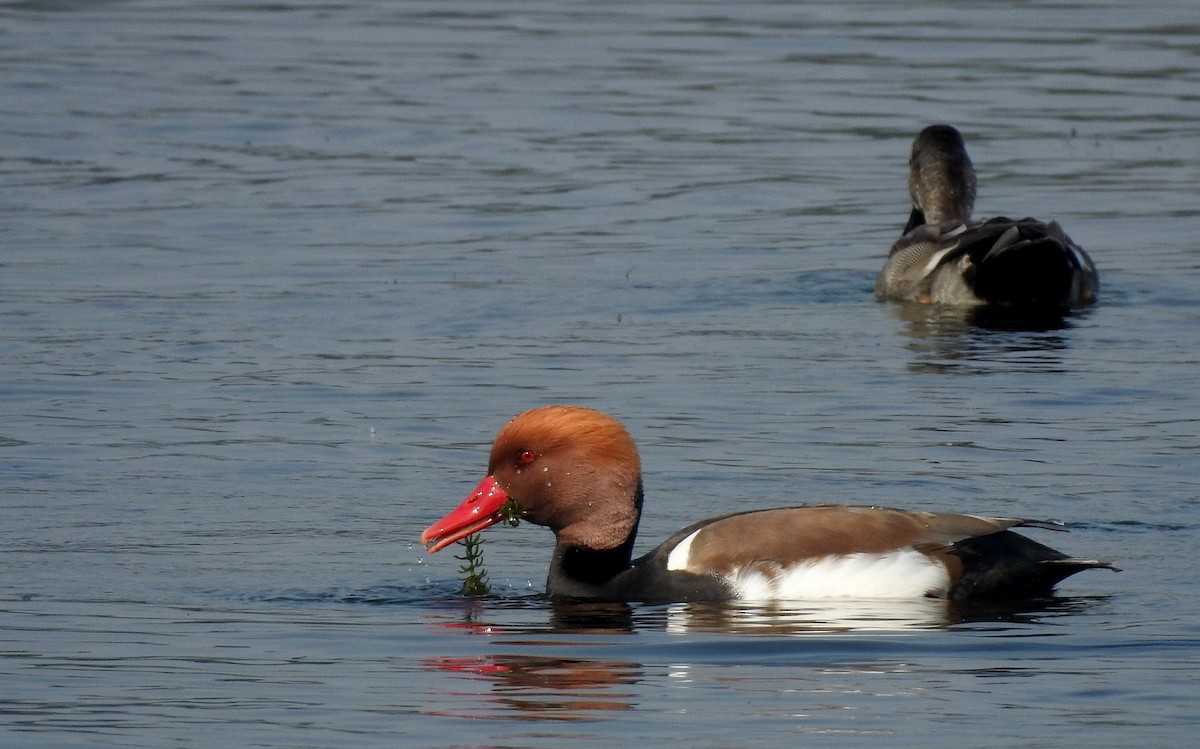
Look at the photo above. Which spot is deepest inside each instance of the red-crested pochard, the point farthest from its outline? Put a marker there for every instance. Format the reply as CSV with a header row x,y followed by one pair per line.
x,y
946,257
576,471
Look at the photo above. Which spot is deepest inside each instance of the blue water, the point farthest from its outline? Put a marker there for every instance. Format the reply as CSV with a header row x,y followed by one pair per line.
x,y
272,275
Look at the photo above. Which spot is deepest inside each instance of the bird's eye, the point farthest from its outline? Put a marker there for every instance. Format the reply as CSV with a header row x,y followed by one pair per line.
x,y
526,457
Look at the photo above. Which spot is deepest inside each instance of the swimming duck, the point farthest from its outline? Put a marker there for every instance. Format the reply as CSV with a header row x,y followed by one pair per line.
x,y
576,471
945,257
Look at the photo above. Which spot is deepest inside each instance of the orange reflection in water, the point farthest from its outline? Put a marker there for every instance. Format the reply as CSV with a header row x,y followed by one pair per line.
x,y
528,687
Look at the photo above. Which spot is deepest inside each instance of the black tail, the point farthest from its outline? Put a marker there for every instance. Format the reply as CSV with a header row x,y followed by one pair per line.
x,y
1009,565
1026,268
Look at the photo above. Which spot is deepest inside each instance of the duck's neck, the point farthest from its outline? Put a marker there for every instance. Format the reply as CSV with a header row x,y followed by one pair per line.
x,y
593,574
579,572
941,182
943,192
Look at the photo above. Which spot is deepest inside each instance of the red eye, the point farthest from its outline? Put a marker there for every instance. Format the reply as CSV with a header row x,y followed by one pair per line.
x,y
526,456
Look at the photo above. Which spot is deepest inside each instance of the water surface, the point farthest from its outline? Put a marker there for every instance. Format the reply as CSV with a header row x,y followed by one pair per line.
x,y
273,275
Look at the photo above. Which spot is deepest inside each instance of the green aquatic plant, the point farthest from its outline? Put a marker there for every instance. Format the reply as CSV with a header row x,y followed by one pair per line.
x,y
474,575
510,513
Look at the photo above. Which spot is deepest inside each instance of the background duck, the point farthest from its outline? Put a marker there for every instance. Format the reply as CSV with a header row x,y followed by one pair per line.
x,y
577,471
946,258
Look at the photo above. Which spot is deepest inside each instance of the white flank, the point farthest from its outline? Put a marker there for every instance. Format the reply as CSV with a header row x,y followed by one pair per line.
x,y
899,574
678,558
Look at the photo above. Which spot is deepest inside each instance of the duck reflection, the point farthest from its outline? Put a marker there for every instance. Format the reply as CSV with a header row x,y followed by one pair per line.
x,y
591,617
925,319
496,616
853,615
540,687
954,339
750,617
792,618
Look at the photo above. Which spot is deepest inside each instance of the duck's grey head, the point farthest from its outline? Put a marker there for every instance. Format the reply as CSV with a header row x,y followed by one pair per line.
x,y
941,178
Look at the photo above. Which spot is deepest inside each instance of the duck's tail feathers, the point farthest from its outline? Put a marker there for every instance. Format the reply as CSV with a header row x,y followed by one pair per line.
x,y
1079,565
1027,269
1010,565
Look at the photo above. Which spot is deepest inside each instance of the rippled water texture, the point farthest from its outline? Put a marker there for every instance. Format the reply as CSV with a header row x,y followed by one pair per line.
x,y
272,275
